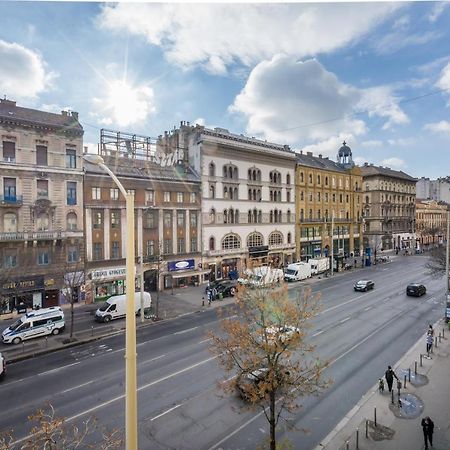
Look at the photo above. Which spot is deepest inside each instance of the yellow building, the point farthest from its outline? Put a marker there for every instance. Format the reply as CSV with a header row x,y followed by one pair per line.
x,y
328,194
431,223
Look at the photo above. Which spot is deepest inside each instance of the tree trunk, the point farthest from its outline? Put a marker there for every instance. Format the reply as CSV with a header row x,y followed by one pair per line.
x,y
71,318
273,444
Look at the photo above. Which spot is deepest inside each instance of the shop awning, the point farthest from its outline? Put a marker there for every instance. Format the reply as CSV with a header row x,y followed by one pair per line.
x,y
188,273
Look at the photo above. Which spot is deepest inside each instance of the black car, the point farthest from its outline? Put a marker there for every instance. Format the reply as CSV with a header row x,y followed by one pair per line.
x,y
364,285
416,290
222,289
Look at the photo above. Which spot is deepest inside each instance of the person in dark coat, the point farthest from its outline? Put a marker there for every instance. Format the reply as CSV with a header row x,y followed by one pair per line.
x,y
428,428
389,375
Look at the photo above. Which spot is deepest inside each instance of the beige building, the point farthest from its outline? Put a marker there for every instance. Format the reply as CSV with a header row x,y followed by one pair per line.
x,y
328,194
41,203
389,199
431,223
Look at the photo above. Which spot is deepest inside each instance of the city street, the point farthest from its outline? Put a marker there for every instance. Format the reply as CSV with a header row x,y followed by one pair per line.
x,y
180,406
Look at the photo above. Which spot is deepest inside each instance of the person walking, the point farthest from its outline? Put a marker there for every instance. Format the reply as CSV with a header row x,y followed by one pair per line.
x,y
428,428
431,330
429,343
389,375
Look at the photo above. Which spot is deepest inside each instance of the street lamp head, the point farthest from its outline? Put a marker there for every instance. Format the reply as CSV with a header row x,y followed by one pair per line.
x,y
93,159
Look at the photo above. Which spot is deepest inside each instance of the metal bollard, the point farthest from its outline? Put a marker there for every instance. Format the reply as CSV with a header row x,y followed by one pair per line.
x,y
415,367
440,338
375,415
46,341
435,342
367,429
443,333
421,363
404,382
92,330
392,396
346,445
23,347
409,371
357,438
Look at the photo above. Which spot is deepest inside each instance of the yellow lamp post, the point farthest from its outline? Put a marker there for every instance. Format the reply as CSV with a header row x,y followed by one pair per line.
x,y
130,333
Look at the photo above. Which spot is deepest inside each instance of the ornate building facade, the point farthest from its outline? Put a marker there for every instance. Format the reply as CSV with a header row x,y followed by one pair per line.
x,y
328,195
431,223
41,204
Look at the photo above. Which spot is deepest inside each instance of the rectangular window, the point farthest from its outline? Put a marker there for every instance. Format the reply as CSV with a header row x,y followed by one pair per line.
x,y
114,193
193,197
72,255
9,189
97,219
43,258
42,188
193,218
166,197
98,251
150,221
96,193
115,250
10,259
149,197
132,191
181,245
115,219
180,218
71,158
41,155
150,248
167,246
71,193
179,197
167,219
9,151
193,244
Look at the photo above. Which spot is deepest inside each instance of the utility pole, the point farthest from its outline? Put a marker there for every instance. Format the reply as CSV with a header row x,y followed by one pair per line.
x,y
142,286
447,275
332,243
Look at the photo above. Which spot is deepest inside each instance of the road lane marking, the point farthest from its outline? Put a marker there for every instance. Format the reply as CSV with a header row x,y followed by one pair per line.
x,y
367,308
59,368
152,359
317,334
165,412
345,320
205,340
185,331
76,387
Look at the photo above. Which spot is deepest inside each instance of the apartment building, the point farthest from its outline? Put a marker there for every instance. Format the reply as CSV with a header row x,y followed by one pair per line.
x,y
248,198
167,217
431,223
438,190
329,206
389,203
41,204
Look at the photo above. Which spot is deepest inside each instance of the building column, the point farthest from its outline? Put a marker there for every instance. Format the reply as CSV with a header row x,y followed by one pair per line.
x,y
106,237
174,232
139,234
187,231
123,228
88,234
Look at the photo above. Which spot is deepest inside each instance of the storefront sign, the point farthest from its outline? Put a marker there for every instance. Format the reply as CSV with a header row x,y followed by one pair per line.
x,y
185,264
24,285
114,272
261,250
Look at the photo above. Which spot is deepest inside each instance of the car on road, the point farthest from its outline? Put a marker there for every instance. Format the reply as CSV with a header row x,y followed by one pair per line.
x,y
283,333
415,290
364,285
2,366
251,384
225,288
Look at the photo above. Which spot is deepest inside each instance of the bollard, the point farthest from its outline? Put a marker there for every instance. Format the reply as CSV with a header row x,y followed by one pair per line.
x,y
421,362
443,333
92,330
367,429
440,338
23,347
392,396
165,314
46,341
409,371
404,382
346,445
375,415
357,438
435,342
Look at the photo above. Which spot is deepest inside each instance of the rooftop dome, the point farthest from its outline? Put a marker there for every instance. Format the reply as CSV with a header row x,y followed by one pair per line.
x,y
345,150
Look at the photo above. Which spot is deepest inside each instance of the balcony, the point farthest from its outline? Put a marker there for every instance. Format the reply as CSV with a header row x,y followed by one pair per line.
x,y
39,235
11,200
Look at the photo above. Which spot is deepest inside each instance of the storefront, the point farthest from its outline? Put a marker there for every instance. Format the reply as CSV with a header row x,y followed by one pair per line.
x,y
106,282
28,290
183,273
258,255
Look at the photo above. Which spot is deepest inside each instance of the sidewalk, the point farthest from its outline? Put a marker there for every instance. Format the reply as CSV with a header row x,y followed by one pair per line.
x,y
394,432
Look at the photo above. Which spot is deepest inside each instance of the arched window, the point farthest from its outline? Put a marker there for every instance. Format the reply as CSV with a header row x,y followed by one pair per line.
x,y
225,192
367,199
212,191
10,223
225,216
302,195
212,243
289,238
302,177
302,214
271,196
259,195
250,174
235,193
271,216
318,179
225,172
43,222
250,216
235,173
288,179
231,241
288,196
326,181
259,216
212,216
212,169
275,238
310,214
254,240
310,178
72,221
288,216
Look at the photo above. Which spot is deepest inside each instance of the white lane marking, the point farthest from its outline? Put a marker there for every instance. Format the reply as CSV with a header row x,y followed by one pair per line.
x,y
76,387
317,334
151,360
58,369
367,308
165,412
345,303
345,320
205,340
185,331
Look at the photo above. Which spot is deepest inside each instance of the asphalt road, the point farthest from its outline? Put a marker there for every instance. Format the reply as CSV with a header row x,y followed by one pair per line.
x,y
180,406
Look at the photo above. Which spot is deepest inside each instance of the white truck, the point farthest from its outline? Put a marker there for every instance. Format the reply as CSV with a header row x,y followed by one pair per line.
x,y
319,265
116,306
297,271
261,276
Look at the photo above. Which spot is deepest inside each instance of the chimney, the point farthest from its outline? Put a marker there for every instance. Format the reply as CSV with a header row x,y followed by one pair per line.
x,y
64,113
75,115
5,101
320,156
309,153
366,164
85,149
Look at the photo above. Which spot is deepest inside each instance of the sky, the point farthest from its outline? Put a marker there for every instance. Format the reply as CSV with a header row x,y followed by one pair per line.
x,y
309,75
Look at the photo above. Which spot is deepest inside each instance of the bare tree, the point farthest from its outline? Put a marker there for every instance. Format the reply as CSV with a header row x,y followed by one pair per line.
x,y
436,265
268,348
54,433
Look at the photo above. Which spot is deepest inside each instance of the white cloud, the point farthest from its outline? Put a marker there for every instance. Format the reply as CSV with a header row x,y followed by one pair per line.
x,y
329,147
360,160
91,148
402,142
199,121
439,127
393,163
437,10
54,108
295,102
444,80
372,144
23,72
218,35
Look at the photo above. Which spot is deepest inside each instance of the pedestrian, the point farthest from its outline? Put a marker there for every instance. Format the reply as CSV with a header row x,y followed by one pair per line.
x,y
203,301
429,343
431,330
389,375
428,428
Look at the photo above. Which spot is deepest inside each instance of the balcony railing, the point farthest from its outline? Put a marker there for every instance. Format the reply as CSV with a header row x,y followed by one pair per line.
x,y
11,200
39,235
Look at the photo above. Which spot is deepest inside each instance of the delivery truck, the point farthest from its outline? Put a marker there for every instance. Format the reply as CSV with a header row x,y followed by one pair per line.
x,y
297,271
116,307
319,265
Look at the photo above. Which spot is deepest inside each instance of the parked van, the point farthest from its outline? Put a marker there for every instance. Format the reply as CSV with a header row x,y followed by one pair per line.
x,y
297,271
319,265
261,276
35,324
2,366
116,306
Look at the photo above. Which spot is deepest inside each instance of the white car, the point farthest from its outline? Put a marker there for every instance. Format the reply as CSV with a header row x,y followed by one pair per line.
x,y
283,333
2,366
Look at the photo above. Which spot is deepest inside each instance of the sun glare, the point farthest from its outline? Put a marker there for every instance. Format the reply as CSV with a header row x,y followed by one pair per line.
x,y
124,102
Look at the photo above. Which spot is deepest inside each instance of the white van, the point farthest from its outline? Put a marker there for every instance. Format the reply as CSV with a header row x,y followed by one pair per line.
x,y
35,324
116,306
297,271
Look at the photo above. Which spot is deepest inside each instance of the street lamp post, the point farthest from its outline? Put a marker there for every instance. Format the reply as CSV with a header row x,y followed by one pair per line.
x,y
130,333
332,243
